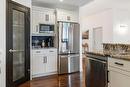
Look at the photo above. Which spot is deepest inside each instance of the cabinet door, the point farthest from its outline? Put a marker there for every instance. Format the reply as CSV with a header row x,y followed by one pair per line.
x,y
42,17
35,21
51,65
39,65
119,80
52,18
49,17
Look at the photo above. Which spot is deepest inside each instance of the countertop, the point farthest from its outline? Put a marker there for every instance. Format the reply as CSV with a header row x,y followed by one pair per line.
x,y
121,56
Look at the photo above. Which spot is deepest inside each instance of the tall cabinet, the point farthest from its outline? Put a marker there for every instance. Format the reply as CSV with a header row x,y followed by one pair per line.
x,y
41,16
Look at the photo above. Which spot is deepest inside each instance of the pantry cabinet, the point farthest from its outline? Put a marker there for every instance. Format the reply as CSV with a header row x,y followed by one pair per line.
x,y
44,62
42,15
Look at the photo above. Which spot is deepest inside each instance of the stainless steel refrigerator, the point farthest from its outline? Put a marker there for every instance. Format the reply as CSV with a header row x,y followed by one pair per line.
x,y
68,55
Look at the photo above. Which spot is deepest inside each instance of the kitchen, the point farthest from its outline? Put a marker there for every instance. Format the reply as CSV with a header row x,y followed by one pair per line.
x,y
52,43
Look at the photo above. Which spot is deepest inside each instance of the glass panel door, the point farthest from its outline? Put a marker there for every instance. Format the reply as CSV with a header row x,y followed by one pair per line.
x,y
18,45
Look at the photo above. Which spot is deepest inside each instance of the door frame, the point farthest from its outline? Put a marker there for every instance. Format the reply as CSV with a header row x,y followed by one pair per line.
x,y
9,63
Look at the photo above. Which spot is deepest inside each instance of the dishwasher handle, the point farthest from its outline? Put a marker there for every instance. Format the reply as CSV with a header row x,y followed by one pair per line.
x,y
97,60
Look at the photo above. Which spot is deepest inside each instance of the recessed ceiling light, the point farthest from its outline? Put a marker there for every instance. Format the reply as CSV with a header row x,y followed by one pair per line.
x,y
61,0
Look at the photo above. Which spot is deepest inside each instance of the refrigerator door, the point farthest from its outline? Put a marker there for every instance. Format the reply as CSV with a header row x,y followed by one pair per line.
x,y
69,37
64,37
74,38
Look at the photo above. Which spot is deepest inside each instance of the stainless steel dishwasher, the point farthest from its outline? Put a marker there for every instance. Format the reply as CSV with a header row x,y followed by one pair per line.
x,y
97,71
68,63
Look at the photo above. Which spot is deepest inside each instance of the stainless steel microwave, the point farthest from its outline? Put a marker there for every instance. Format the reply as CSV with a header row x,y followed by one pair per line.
x,y
46,28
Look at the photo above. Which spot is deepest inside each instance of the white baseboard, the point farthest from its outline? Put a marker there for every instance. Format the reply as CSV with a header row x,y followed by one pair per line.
x,y
44,74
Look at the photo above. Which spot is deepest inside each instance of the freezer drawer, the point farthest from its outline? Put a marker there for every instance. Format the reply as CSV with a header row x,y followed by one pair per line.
x,y
68,64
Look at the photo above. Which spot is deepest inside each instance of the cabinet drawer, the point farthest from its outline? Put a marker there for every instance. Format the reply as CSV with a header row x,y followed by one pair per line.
x,y
52,51
37,52
120,64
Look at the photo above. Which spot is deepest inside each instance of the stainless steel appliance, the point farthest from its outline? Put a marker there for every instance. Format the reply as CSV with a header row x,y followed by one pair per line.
x,y
46,28
68,61
97,72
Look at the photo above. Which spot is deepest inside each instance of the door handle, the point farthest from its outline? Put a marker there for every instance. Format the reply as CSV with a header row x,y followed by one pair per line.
x,y
45,59
108,76
97,60
120,64
51,51
13,51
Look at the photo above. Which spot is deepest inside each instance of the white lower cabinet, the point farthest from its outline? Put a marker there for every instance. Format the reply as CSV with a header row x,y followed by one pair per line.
x,y
39,66
118,79
51,63
119,73
44,62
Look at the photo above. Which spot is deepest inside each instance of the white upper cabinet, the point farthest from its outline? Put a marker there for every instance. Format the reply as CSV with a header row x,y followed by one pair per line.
x,y
42,15
66,15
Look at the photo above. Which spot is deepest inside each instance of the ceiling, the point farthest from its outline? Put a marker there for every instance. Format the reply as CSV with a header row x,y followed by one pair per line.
x,y
101,5
66,4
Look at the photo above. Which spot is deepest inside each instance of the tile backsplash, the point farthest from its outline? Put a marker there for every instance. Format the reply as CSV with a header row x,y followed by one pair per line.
x,y
116,48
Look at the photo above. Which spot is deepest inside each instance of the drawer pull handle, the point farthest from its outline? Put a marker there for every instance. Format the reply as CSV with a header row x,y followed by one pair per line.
x,y
38,52
119,64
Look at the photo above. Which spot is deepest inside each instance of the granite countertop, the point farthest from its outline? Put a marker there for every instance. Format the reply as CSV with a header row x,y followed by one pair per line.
x,y
111,55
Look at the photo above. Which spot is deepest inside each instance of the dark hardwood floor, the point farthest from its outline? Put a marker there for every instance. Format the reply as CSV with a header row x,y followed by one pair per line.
x,y
71,80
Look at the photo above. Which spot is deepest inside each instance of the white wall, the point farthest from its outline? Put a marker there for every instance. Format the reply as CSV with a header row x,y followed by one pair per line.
x,y
121,18
2,41
101,19
109,14
27,3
